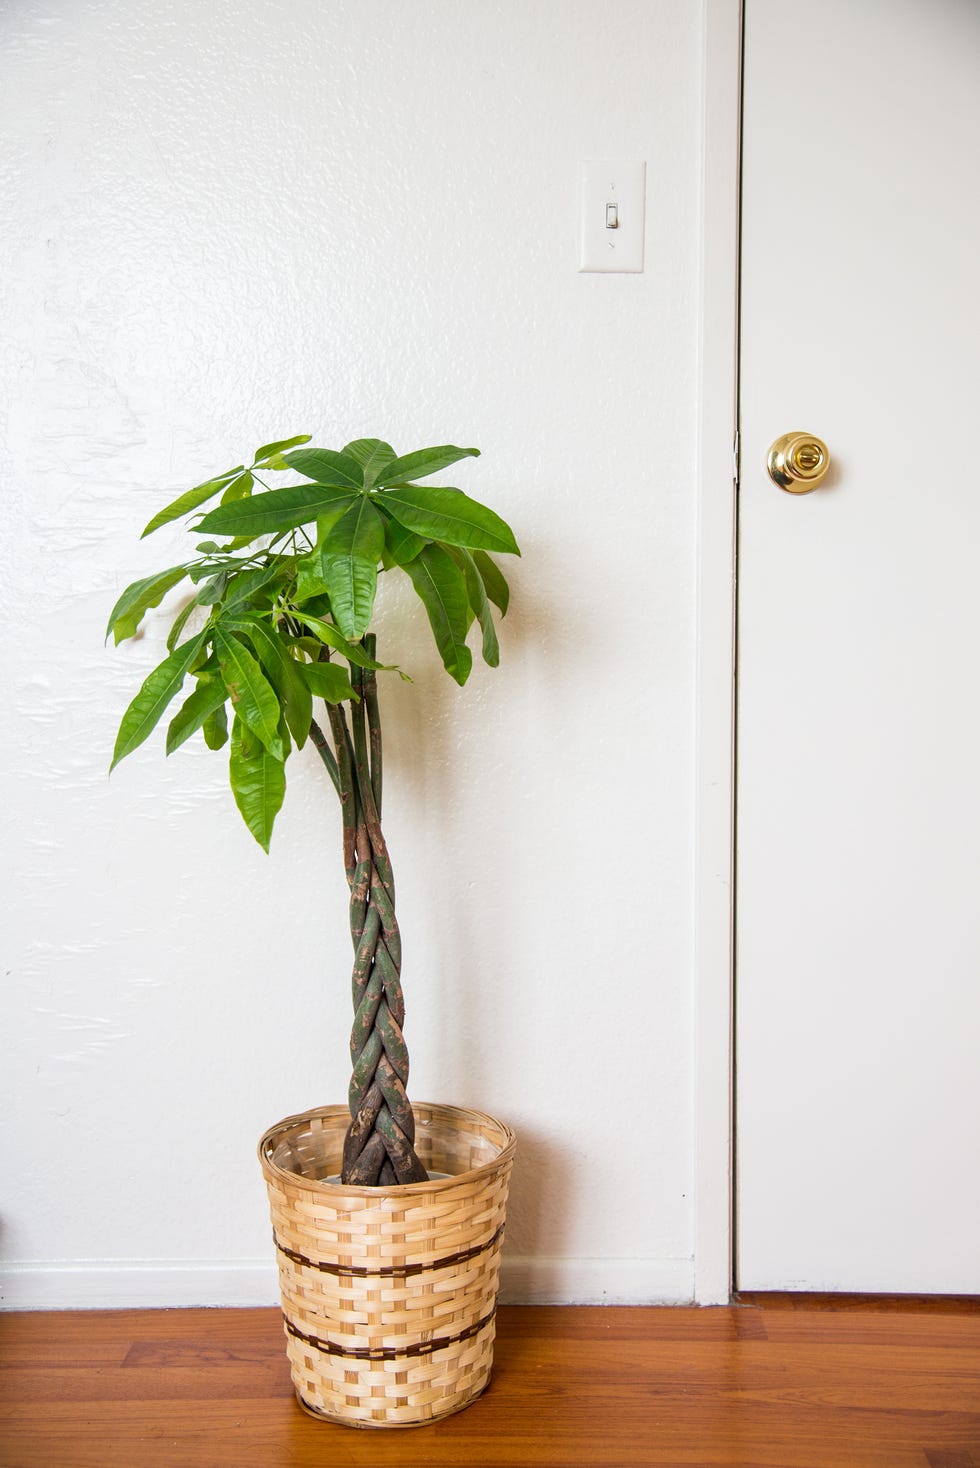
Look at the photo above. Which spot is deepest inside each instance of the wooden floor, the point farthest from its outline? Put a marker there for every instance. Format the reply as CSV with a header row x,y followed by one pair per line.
x,y
787,1382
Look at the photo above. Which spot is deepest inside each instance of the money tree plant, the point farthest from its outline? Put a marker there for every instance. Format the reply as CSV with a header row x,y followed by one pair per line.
x,y
278,619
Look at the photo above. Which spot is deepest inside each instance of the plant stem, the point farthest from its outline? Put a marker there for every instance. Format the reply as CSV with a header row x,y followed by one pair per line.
x,y
378,1148
369,692
347,788
325,752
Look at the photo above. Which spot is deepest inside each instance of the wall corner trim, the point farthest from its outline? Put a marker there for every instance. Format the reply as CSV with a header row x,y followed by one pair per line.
x,y
715,713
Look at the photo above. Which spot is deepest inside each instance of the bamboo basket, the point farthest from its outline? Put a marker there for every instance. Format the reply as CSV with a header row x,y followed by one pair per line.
x,y
389,1294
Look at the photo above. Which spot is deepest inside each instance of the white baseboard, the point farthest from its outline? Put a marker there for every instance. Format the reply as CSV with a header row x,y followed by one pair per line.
x,y
163,1284
563,1281
136,1285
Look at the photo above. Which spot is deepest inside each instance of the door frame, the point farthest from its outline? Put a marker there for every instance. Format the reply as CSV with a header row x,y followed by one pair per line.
x,y
714,873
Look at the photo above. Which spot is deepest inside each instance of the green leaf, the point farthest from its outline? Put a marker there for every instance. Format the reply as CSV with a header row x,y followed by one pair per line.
x,y
373,454
177,626
425,462
247,584
477,594
276,509
204,570
284,736
213,590
440,585
493,579
325,523
284,673
190,501
238,489
251,694
137,599
318,606
329,681
207,698
295,696
449,515
143,714
401,545
352,584
280,446
359,532
329,634
215,728
349,566
258,783
366,449
309,578
326,466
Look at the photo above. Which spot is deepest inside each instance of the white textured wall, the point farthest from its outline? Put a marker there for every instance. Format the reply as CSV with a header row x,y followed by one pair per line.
x,y
226,222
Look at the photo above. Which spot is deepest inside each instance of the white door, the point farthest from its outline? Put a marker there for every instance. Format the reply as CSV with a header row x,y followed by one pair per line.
x,y
858,867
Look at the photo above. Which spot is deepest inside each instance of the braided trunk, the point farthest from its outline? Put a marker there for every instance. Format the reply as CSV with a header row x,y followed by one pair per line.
x,y
378,1148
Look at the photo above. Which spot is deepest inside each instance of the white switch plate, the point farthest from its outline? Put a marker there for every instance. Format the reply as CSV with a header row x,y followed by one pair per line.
x,y
622,184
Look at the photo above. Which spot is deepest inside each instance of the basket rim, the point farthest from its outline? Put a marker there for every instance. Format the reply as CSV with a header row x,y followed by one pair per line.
x,y
402,1190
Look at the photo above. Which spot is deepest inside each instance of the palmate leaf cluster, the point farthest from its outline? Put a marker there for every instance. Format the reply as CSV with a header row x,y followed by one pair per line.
x,y
282,593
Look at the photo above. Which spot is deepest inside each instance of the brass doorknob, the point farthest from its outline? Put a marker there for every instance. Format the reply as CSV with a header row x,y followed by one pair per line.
x,y
798,462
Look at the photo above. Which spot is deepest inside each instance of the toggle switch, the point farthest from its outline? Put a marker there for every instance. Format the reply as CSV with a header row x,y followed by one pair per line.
x,y
612,217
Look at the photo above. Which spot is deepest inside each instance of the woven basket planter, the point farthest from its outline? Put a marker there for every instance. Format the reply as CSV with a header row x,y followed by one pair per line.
x,y
389,1294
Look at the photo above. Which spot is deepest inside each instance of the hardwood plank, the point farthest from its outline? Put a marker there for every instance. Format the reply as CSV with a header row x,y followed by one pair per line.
x,y
232,1434
771,1301
956,1332
756,1386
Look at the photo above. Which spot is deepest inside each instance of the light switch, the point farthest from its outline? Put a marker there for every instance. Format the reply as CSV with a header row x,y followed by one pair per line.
x,y
613,222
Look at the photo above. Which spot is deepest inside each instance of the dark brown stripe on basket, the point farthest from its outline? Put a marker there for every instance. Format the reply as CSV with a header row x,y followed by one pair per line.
x,y
388,1353
388,1271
